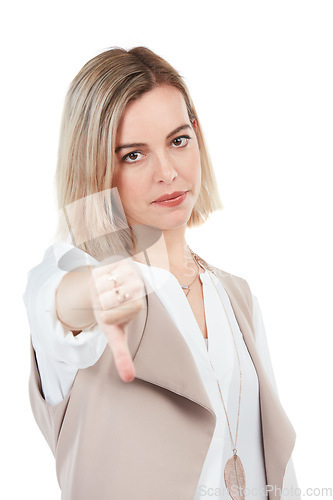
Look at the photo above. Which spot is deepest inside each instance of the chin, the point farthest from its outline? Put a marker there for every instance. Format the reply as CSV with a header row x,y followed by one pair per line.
x,y
172,222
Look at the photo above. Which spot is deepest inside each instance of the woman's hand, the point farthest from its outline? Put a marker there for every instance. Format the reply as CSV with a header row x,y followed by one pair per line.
x,y
115,304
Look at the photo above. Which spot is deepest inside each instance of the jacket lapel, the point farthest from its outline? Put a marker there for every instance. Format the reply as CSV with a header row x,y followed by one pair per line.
x,y
277,432
162,357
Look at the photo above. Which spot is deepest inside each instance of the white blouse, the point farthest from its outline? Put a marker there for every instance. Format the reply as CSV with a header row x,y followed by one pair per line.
x,y
59,355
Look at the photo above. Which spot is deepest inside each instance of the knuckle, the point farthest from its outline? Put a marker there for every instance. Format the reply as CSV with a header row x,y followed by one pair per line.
x,y
104,316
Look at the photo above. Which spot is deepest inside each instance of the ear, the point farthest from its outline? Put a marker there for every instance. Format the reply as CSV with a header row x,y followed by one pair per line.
x,y
195,124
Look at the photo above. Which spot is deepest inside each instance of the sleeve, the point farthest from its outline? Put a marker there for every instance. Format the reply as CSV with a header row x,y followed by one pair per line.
x,y
49,335
290,485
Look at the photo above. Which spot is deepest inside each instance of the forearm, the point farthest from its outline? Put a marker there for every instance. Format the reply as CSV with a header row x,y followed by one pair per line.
x,y
73,299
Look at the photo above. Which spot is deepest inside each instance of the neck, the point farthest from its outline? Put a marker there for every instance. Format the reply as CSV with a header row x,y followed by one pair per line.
x,y
173,240
170,252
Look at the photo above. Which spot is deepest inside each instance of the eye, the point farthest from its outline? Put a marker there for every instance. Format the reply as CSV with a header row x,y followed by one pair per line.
x,y
179,140
129,157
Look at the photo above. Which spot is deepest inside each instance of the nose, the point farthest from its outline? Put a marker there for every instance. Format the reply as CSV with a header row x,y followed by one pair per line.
x,y
164,170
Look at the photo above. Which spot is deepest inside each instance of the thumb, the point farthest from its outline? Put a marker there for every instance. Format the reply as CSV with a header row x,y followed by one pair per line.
x,y
117,340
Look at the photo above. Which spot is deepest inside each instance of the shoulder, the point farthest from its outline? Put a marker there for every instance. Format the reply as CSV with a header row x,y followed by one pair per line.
x,y
58,259
63,256
234,284
237,283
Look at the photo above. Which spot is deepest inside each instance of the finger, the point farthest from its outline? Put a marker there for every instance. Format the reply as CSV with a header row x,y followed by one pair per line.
x,y
101,269
118,316
119,297
106,266
121,315
105,282
117,341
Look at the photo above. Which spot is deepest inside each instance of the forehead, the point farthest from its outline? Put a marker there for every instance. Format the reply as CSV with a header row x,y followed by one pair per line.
x,y
159,110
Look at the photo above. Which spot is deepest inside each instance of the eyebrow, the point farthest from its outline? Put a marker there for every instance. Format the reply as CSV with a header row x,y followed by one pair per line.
x,y
140,144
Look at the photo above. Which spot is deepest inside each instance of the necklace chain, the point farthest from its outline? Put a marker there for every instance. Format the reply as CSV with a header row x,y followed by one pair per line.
x,y
234,443
234,475
188,287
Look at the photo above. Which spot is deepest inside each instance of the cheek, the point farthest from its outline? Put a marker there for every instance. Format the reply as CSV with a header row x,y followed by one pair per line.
x,y
194,168
131,189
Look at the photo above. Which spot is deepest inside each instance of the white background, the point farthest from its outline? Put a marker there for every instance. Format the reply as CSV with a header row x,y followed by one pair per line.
x,y
260,74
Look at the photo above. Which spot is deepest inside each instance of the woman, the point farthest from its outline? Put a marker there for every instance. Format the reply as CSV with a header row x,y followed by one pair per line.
x,y
147,362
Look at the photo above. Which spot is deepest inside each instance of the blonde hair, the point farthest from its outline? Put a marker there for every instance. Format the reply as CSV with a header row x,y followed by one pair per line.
x,y
89,210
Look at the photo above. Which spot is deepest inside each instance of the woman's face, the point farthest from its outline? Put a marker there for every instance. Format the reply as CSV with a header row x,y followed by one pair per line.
x,y
156,158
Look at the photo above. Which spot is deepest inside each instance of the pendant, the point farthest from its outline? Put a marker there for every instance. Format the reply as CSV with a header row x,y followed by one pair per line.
x,y
234,478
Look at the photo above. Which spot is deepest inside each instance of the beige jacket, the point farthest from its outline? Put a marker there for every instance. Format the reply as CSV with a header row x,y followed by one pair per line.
x,y
148,439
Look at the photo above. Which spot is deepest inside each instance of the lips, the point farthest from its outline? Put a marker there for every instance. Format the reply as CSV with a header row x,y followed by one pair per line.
x,y
169,196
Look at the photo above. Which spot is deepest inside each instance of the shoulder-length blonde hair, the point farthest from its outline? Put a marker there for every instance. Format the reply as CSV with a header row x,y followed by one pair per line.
x,y
89,210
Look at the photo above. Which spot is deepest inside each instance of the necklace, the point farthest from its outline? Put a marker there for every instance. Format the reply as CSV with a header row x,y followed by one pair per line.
x,y
234,475
188,287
